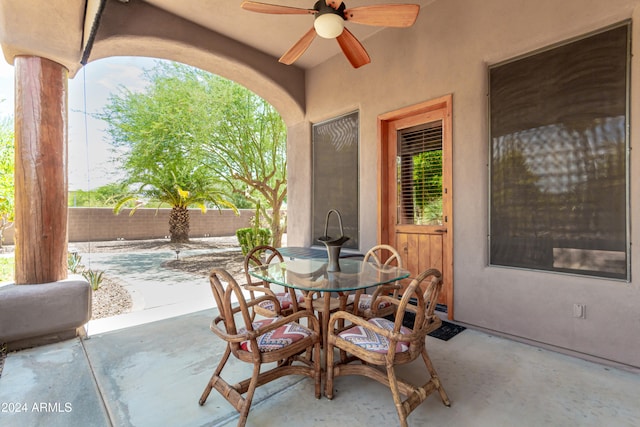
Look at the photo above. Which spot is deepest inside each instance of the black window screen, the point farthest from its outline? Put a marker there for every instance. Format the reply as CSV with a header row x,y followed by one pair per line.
x,y
335,177
558,158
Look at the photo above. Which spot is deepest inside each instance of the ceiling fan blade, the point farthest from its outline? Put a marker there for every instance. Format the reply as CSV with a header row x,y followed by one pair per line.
x,y
384,15
299,48
255,6
353,49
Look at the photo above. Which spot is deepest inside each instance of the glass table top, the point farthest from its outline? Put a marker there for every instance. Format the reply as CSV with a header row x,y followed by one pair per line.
x,y
312,274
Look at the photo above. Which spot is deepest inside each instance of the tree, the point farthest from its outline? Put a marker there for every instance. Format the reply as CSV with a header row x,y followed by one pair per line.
x,y
246,145
220,129
427,191
103,196
7,165
155,133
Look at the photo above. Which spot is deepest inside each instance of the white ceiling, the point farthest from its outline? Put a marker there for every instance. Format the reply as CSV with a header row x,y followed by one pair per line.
x,y
273,34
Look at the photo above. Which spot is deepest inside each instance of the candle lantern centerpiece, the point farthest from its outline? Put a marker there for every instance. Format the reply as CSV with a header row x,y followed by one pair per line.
x,y
334,245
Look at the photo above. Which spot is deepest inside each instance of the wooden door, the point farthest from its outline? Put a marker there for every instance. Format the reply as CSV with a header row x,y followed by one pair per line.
x,y
415,189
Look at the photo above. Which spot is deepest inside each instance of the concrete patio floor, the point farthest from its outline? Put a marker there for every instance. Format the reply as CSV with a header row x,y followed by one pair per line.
x,y
153,374
149,367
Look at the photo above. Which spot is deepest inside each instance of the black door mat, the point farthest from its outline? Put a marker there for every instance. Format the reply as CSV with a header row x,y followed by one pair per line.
x,y
445,332
442,307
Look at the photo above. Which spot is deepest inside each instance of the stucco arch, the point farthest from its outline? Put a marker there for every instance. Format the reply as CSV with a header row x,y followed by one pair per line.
x,y
271,91
140,29
153,32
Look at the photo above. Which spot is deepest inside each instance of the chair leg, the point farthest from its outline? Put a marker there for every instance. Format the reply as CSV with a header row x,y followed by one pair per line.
x,y
318,369
435,378
397,398
216,374
328,386
246,404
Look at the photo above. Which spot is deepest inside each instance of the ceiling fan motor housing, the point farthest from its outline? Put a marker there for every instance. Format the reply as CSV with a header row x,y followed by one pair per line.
x,y
322,8
329,22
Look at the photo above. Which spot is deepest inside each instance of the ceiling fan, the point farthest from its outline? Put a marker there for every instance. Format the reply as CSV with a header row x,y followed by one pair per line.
x,y
329,23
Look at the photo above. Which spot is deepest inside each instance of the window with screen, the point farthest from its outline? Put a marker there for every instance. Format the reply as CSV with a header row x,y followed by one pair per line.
x,y
335,177
419,174
559,174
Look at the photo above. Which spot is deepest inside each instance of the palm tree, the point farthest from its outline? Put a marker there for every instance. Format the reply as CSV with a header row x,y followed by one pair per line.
x,y
179,187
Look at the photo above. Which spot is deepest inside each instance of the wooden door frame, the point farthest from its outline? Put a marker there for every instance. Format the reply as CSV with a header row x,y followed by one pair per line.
x,y
386,166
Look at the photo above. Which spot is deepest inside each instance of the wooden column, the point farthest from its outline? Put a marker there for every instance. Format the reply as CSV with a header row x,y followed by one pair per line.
x,y
41,184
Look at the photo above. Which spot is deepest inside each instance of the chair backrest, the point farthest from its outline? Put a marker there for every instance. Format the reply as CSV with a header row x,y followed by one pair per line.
x,y
384,255
225,288
423,304
260,255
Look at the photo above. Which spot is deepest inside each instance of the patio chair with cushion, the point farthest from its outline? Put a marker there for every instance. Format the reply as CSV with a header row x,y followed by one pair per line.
x,y
264,255
377,345
279,340
382,255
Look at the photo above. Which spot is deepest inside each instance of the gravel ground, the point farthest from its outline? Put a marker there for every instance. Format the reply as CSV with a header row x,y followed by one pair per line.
x,y
112,298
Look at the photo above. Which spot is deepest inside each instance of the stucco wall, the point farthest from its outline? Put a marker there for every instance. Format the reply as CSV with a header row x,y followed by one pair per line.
x,y
448,51
100,224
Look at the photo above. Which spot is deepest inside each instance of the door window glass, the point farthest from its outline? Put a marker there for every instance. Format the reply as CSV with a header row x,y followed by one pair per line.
x,y
419,175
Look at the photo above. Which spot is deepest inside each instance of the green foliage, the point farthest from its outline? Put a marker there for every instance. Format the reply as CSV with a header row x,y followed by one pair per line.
x,y
246,144
6,268
7,160
158,133
104,196
251,237
427,191
73,262
94,277
431,213
427,173
240,200
193,125
254,236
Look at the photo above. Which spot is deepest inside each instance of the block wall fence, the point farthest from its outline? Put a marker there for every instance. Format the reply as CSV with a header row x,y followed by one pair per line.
x,y
101,224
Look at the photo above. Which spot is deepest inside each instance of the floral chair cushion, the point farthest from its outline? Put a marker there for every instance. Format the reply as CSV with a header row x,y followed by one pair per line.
x,y
284,336
284,298
371,341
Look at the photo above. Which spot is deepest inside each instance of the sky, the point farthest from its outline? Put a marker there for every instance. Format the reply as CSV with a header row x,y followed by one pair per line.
x,y
89,148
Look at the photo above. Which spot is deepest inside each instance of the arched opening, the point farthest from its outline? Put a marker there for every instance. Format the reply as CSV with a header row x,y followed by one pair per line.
x,y
158,272
155,33
140,29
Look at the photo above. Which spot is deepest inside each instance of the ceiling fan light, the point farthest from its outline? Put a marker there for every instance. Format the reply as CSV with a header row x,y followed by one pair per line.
x,y
329,25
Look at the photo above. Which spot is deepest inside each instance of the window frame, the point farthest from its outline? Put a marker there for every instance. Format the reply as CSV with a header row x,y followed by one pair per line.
x,y
328,183
627,172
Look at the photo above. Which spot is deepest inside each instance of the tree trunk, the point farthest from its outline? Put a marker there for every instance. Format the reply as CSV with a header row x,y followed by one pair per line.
x,y
179,224
276,229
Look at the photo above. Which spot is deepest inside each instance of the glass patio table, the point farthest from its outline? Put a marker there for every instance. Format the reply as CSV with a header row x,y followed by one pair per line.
x,y
311,275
